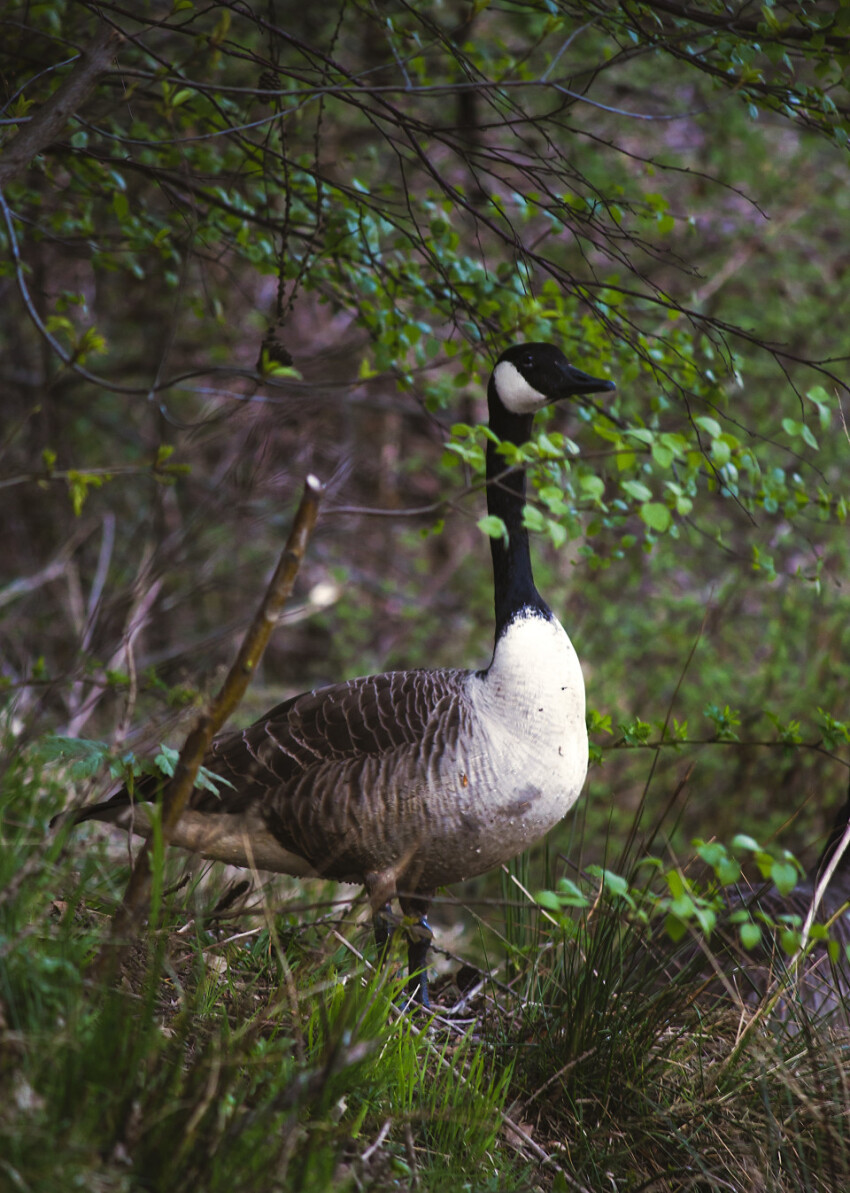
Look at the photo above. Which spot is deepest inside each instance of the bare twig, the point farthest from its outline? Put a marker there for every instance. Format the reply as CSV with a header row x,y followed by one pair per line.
x,y
51,571
82,708
107,543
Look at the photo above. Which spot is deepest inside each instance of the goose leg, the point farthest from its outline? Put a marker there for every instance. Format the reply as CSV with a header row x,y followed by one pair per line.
x,y
380,888
419,942
382,925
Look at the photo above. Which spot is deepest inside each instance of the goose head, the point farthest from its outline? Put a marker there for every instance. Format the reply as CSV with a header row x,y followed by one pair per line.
x,y
528,377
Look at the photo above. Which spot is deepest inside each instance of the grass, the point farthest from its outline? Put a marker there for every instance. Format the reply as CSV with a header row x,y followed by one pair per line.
x,y
245,1047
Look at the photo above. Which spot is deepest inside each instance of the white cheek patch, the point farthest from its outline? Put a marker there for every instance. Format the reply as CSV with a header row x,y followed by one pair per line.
x,y
514,391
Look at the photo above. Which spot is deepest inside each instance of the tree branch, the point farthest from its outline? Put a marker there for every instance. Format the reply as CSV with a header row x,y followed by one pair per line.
x,y
53,115
747,26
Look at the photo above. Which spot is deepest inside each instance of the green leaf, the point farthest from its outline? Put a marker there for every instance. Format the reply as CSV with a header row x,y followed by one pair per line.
x,y
270,367
710,425
711,852
750,934
120,205
166,760
85,757
638,490
728,871
790,940
656,516
598,722
549,900
642,434
742,841
548,449
532,519
784,877
367,370
571,895
675,928
706,917
592,487
79,484
683,907
493,526
675,883
613,883
557,533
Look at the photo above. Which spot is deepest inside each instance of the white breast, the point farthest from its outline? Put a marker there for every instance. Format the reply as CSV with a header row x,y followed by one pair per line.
x,y
531,758
532,696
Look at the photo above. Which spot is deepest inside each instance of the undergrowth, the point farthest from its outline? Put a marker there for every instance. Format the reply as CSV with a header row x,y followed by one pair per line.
x,y
245,1048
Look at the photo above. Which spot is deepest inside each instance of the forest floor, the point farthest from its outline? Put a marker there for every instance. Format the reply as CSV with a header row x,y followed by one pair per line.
x,y
247,1043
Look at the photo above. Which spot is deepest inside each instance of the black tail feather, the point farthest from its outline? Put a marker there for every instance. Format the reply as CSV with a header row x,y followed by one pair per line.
x,y
145,790
103,811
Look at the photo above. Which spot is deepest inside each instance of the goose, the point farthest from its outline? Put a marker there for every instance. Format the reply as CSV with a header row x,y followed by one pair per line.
x,y
408,781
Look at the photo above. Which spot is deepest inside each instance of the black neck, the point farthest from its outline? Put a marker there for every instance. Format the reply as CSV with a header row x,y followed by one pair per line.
x,y
513,582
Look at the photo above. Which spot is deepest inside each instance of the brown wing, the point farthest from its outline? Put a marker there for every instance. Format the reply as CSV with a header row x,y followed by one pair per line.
x,y
327,771
366,717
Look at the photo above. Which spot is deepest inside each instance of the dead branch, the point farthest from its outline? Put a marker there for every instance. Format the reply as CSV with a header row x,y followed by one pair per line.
x,y
213,717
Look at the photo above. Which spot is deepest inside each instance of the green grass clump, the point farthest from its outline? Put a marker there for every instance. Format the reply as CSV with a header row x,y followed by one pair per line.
x,y
637,1071
243,1049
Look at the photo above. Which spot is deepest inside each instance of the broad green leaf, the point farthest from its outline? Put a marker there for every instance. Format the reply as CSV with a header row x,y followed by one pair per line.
x,y
493,526
638,490
750,934
592,486
532,519
656,516
742,841
710,425
784,877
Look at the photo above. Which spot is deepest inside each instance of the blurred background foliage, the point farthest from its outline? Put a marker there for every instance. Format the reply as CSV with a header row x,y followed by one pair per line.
x,y
271,238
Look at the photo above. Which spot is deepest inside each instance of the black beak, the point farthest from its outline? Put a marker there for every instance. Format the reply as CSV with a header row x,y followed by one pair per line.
x,y
574,383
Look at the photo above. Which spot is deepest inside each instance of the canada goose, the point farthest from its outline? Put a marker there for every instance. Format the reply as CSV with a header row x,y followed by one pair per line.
x,y
411,780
